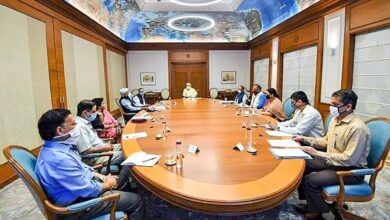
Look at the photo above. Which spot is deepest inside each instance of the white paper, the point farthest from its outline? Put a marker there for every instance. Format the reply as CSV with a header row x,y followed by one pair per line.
x,y
141,159
135,118
283,143
192,149
227,102
134,135
290,153
240,147
265,126
278,134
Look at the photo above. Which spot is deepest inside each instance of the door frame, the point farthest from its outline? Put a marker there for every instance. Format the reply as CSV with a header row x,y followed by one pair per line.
x,y
188,57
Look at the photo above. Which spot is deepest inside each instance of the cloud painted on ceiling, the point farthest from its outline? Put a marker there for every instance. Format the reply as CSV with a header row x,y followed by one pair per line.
x,y
252,18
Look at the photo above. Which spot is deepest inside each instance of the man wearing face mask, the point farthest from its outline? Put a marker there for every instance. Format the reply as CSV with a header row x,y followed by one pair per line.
x,y
189,92
345,147
259,99
89,142
306,121
241,97
139,99
67,180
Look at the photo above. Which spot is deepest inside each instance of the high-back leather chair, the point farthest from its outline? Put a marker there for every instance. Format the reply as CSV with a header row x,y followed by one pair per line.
x,y
288,109
213,93
165,94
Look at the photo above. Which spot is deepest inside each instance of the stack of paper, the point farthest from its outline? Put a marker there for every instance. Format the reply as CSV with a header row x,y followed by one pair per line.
x,y
134,135
140,118
290,154
278,134
141,159
227,102
283,143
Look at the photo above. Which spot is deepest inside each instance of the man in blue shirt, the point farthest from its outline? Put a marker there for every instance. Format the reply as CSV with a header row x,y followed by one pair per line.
x,y
67,180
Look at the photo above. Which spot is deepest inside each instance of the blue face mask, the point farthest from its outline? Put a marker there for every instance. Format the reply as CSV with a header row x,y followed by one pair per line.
x,y
92,117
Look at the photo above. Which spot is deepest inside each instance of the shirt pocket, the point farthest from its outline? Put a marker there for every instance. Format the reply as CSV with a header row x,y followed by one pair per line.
x,y
339,144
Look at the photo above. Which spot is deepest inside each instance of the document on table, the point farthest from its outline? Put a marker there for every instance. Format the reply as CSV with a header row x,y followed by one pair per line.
x,y
227,102
265,126
283,143
290,154
134,135
141,159
278,134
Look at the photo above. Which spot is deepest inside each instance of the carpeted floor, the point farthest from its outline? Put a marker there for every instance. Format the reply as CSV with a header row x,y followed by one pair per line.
x,y
17,203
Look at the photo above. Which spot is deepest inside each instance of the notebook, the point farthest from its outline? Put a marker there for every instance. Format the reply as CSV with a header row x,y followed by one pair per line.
x,y
278,134
141,159
289,153
283,143
134,135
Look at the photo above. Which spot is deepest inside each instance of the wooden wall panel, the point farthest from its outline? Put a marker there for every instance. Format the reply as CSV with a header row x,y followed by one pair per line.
x,y
261,51
305,35
372,13
188,56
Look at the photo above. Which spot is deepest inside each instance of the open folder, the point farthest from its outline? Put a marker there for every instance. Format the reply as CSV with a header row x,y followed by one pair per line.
x,y
290,154
141,159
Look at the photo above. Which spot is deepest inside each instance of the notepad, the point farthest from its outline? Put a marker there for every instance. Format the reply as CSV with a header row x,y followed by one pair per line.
x,y
283,143
141,159
134,135
290,154
278,134
227,102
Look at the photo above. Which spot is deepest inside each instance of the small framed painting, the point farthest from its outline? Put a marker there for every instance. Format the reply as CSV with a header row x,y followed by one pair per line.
x,y
148,78
228,77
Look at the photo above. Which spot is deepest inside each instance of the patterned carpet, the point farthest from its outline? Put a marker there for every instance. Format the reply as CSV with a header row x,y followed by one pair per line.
x,y
17,203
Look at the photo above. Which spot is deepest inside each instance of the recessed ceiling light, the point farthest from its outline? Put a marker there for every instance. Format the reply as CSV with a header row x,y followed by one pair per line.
x,y
191,23
196,2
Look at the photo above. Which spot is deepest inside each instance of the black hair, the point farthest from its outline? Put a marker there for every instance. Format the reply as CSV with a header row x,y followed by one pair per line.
x,y
273,92
84,105
98,102
50,121
258,86
300,95
347,96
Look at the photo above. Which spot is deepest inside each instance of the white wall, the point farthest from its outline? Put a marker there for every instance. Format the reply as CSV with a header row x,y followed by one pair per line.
x,y
229,60
333,54
148,61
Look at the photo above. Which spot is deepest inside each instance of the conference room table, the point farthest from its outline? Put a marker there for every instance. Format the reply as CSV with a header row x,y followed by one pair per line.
x,y
217,179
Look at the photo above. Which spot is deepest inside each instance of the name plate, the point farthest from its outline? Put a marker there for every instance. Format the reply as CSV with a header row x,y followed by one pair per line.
x,y
193,149
239,147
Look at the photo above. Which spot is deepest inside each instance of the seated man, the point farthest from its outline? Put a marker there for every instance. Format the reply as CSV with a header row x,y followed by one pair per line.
x,y
127,103
241,97
189,92
307,121
89,142
67,180
139,99
345,147
259,100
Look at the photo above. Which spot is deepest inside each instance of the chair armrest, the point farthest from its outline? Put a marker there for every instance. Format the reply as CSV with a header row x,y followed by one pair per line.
x,y
84,205
108,154
98,167
356,172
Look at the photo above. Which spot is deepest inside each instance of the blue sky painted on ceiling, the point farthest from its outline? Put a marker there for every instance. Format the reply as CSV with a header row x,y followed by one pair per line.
x,y
252,18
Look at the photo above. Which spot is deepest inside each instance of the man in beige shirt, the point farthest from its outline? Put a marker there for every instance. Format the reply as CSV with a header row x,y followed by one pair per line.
x,y
189,92
345,147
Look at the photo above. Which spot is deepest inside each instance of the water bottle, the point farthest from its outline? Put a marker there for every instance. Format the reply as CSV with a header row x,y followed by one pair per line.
x,y
179,154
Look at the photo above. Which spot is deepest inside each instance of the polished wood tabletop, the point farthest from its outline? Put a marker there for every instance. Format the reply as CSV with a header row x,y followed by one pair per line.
x,y
218,179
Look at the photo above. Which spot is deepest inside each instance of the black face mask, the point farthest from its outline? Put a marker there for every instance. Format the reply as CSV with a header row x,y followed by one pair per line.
x,y
268,96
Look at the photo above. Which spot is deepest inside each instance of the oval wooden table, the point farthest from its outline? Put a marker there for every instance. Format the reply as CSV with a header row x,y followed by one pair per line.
x,y
217,180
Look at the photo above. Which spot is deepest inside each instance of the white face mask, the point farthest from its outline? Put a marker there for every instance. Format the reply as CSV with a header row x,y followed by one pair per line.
x,y
239,91
188,87
334,111
74,134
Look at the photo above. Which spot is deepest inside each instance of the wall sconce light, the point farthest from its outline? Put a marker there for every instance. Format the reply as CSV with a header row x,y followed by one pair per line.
x,y
333,40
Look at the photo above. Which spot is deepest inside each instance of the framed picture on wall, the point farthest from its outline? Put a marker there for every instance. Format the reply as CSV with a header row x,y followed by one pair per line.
x,y
148,78
228,77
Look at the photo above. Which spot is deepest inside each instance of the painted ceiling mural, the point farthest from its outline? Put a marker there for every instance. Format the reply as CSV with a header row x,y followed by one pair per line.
x,y
252,18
